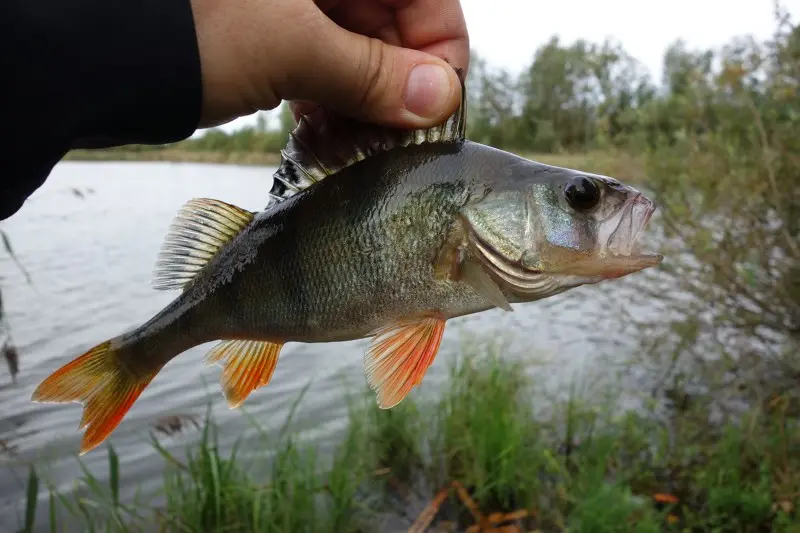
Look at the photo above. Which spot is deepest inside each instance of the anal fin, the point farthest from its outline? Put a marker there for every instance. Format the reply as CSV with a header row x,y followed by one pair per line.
x,y
248,365
400,354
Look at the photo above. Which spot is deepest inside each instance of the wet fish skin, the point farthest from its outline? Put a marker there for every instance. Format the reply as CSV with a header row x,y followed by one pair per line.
x,y
413,229
367,261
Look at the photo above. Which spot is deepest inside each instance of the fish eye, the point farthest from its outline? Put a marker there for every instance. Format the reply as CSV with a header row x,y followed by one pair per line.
x,y
582,193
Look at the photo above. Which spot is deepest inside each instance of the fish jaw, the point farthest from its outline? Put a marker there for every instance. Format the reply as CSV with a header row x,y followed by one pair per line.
x,y
537,238
619,253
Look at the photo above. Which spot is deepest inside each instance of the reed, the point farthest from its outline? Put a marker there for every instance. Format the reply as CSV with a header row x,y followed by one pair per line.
x,y
477,458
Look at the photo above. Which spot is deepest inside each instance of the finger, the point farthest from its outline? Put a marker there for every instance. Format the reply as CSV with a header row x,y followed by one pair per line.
x,y
434,26
326,5
368,79
370,18
301,107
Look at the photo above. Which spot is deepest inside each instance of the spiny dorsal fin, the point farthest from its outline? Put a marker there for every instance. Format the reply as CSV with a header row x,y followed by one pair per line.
x,y
199,230
322,145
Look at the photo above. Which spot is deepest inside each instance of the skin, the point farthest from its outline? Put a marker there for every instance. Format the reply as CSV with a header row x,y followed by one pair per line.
x,y
355,57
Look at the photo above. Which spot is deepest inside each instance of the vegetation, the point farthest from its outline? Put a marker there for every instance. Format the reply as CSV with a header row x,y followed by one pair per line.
x,y
712,335
456,464
7,348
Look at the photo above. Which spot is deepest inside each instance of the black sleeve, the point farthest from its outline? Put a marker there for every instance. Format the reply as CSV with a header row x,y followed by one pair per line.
x,y
91,74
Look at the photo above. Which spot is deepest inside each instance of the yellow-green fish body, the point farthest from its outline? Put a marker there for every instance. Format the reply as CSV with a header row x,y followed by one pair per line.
x,y
371,232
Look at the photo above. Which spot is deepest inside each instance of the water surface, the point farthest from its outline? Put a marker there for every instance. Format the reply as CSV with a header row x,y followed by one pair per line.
x,y
91,260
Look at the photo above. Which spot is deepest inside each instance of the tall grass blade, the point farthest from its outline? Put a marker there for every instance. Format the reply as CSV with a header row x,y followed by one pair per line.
x,y
113,469
31,500
10,250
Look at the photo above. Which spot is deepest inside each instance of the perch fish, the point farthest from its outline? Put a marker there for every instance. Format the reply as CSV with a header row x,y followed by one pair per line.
x,y
369,232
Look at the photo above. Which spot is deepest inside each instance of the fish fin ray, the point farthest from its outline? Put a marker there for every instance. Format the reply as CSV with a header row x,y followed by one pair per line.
x,y
474,275
322,145
399,355
200,229
105,388
247,365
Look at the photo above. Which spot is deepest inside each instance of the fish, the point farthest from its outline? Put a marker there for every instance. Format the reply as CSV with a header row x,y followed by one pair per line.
x,y
369,232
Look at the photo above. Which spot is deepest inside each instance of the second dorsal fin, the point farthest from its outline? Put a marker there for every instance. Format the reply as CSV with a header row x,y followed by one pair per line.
x,y
322,145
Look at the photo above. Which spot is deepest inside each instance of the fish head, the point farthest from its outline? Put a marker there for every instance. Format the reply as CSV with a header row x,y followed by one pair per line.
x,y
542,229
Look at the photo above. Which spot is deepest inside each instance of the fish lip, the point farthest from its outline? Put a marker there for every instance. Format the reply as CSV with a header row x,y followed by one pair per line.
x,y
656,258
623,242
630,258
651,208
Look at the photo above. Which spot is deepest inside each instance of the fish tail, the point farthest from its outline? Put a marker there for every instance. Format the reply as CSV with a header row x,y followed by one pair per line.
x,y
101,382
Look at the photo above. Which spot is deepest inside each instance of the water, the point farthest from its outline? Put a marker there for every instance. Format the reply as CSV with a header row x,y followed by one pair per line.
x,y
91,261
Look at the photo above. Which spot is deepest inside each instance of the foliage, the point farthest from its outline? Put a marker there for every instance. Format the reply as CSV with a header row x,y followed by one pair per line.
x,y
715,141
587,465
727,177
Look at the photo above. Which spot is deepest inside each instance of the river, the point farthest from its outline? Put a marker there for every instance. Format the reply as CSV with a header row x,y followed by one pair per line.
x,y
91,260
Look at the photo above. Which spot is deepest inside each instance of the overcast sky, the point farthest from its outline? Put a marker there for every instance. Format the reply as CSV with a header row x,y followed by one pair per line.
x,y
508,32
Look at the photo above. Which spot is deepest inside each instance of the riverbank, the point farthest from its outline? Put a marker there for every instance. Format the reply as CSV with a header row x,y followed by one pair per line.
x,y
177,155
619,164
480,457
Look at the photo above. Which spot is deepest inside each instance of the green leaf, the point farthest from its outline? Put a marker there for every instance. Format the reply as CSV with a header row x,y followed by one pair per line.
x,y
113,469
30,506
52,507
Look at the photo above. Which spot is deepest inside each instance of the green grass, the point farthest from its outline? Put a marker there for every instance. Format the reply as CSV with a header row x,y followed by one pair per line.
x,y
582,467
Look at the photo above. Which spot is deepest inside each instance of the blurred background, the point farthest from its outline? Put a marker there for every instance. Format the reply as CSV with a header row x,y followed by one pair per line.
x,y
666,400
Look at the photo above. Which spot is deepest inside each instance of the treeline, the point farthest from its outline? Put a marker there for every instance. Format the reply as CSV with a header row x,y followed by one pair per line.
x,y
585,96
591,96
258,138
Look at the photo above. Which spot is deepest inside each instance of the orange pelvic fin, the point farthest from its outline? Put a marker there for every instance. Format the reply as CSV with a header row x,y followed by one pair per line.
x,y
105,388
248,365
399,355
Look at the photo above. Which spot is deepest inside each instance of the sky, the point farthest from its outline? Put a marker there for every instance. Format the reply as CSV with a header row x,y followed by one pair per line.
x,y
507,32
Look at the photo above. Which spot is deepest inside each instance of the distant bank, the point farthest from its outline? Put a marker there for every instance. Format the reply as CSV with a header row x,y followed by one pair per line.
x,y
177,155
614,163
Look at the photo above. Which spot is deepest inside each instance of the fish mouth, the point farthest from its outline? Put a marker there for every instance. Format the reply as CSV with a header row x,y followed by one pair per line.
x,y
634,217
621,253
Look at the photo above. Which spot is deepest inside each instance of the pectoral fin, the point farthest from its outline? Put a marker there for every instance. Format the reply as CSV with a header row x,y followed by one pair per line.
x,y
473,274
399,355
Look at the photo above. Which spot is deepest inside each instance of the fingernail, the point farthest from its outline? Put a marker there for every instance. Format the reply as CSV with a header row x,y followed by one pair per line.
x,y
427,90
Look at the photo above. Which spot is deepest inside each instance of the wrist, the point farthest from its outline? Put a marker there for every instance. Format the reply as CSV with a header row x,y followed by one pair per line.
x,y
227,90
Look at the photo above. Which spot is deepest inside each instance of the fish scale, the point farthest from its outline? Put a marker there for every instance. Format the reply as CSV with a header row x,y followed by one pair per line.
x,y
369,232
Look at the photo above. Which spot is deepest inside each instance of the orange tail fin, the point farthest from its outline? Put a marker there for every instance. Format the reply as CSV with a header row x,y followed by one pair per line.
x,y
97,380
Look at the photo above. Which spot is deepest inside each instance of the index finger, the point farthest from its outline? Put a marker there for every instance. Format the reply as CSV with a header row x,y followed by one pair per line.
x,y
434,26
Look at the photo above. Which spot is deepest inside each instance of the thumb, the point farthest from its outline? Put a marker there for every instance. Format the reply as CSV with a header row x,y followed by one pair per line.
x,y
370,80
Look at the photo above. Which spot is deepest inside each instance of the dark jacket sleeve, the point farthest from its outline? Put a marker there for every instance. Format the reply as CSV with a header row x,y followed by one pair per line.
x,y
91,74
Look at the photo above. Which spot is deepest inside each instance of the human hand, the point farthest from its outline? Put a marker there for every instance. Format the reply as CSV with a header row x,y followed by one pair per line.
x,y
377,60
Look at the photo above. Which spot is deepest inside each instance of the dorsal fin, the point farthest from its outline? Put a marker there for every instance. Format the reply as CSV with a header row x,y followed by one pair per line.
x,y
199,230
322,145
